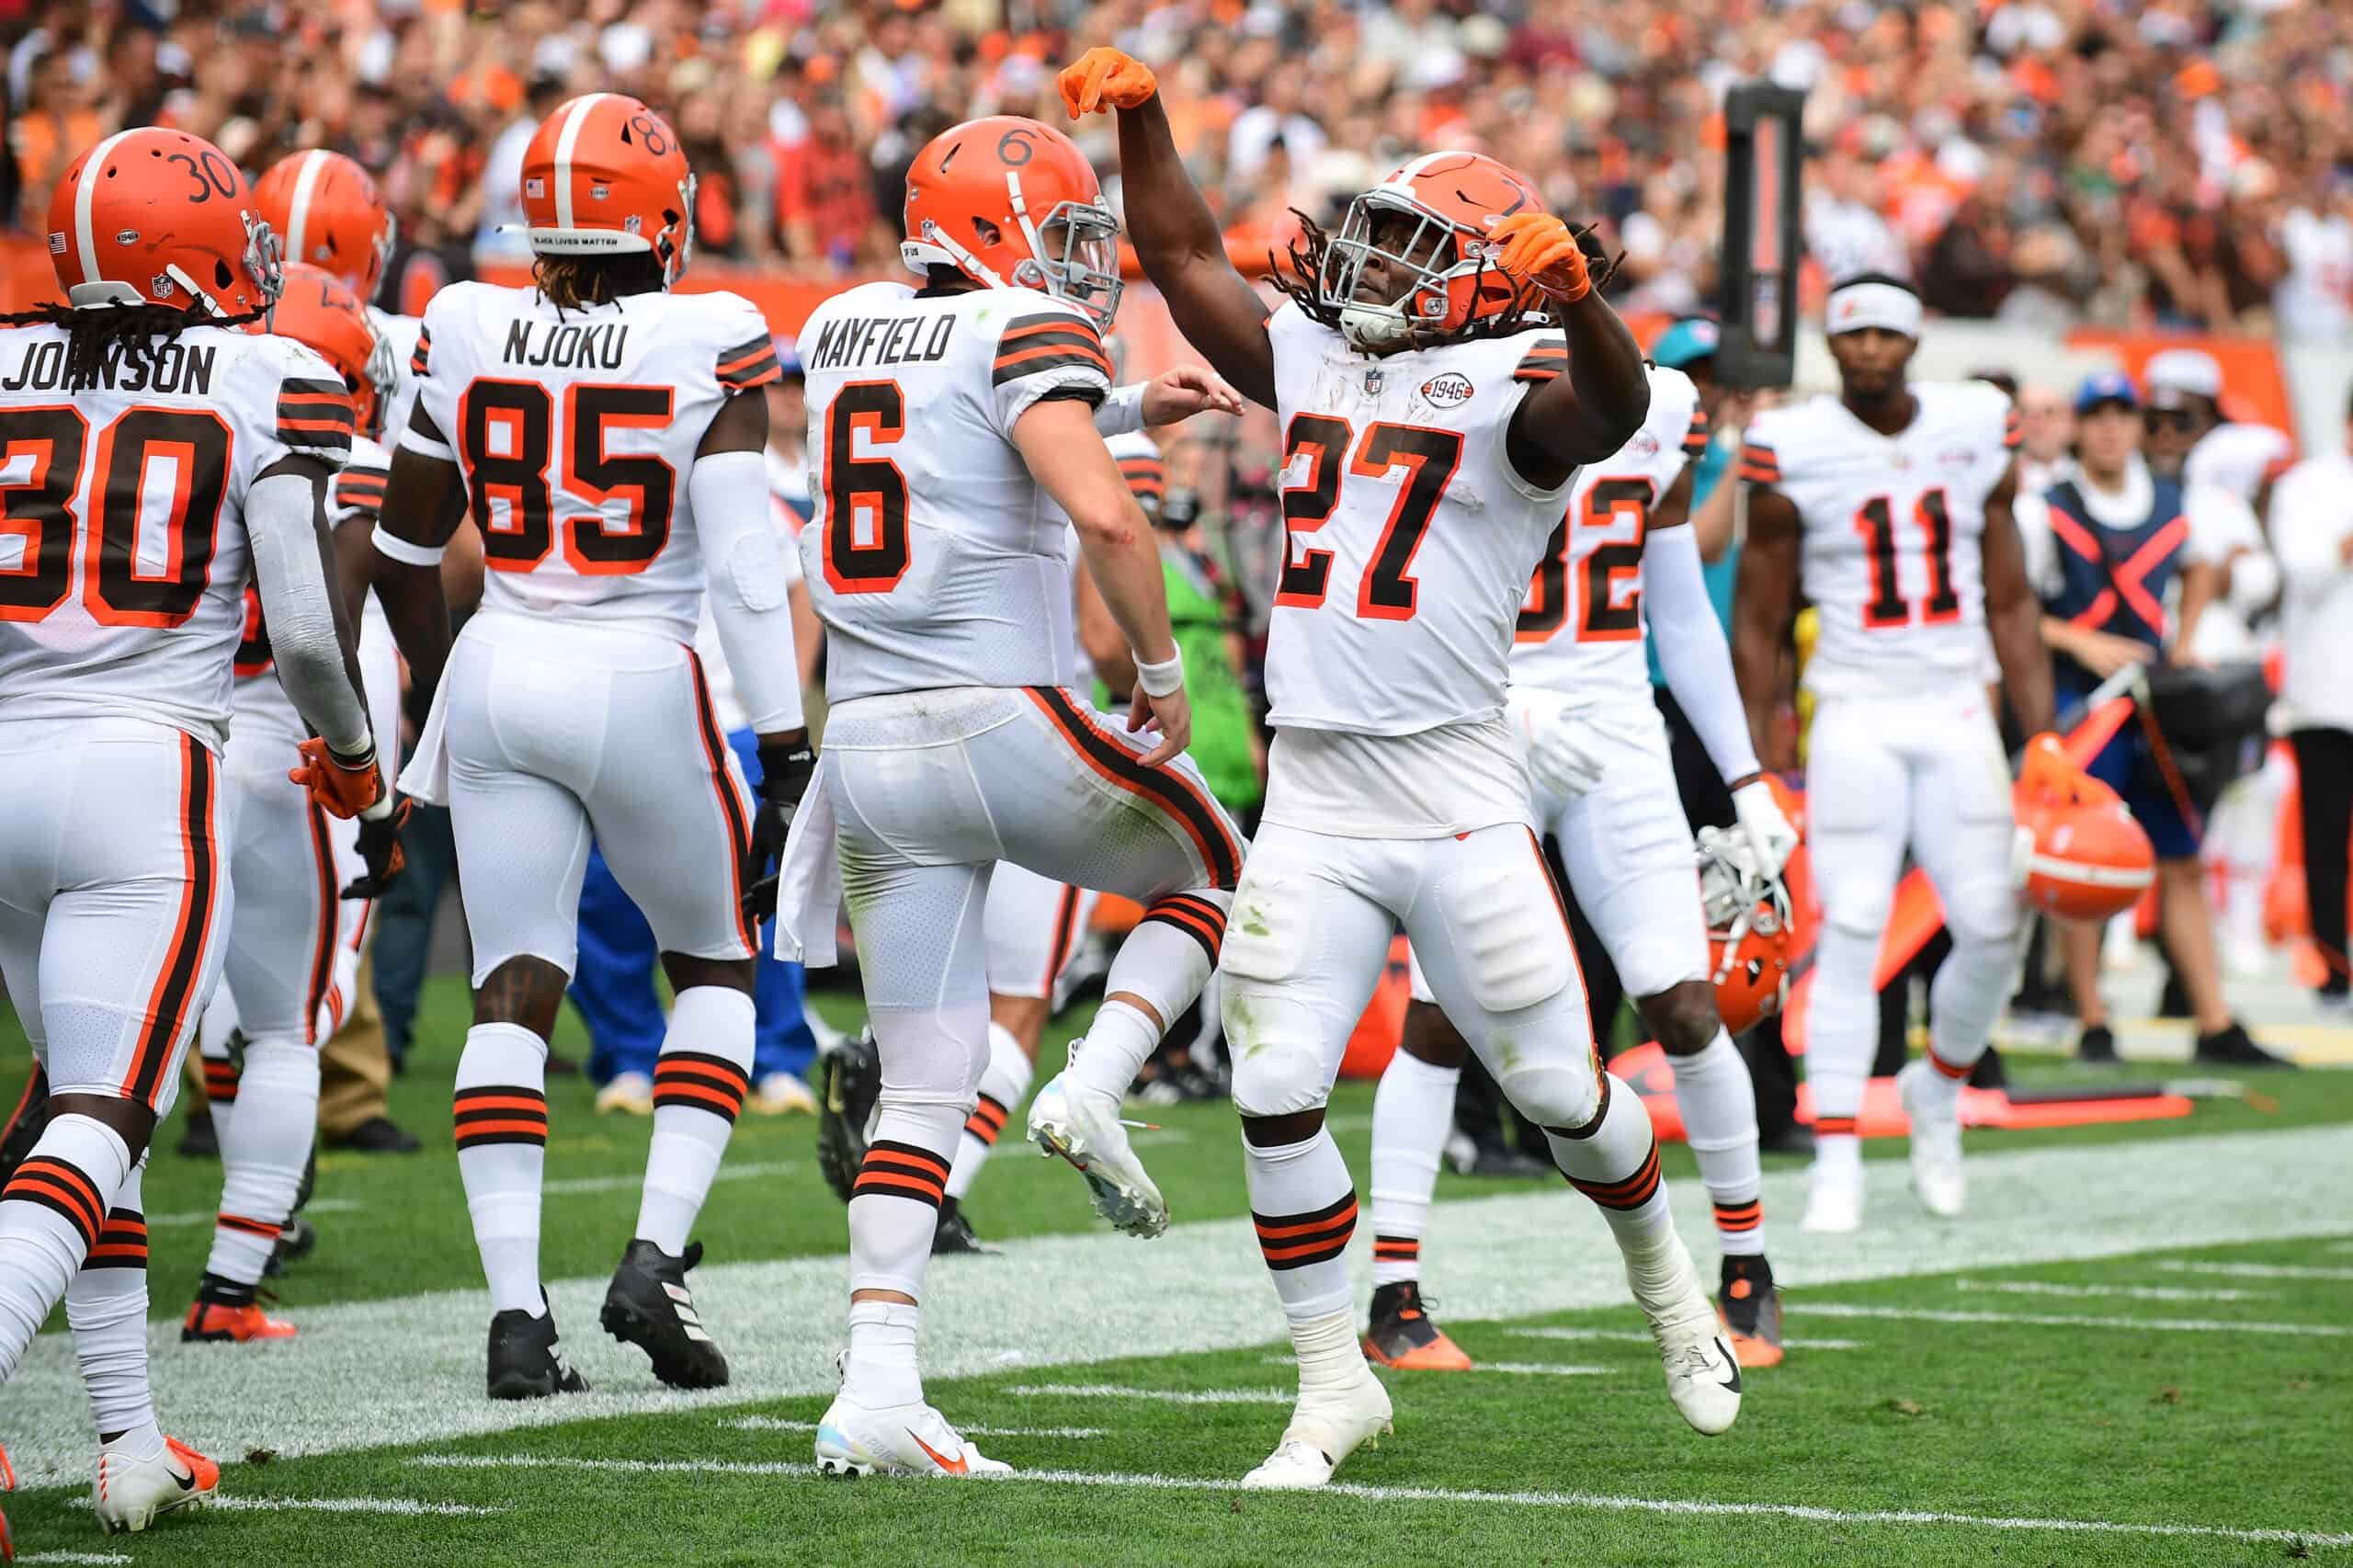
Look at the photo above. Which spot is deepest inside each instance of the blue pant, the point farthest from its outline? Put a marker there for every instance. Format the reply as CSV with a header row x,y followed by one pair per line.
x,y
2128,766
613,987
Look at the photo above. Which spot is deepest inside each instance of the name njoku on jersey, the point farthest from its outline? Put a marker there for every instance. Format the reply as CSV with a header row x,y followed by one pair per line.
x,y
857,342
567,345
165,367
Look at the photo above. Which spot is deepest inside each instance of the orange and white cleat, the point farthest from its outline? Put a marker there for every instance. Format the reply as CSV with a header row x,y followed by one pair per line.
x,y
8,1483
142,1474
212,1320
1403,1335
1751,1310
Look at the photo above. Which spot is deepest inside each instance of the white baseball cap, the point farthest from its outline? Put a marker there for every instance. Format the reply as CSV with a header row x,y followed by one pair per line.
x,y
2189,371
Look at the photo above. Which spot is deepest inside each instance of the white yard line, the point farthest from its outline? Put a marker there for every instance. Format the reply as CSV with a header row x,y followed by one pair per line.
x,y
241,1503
2064,1320
1634,1337
1515,1368
770,1423
1160,1396
91,1557
408,1370
2123,1293
1673,1508
2255,1270
318,1206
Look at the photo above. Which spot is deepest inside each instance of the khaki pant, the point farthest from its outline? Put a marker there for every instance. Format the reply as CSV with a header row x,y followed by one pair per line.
x,y
354,1067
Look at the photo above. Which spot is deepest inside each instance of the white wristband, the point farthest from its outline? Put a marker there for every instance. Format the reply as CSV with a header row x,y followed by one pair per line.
x,y
1160,679
426,446
408,553
1121,413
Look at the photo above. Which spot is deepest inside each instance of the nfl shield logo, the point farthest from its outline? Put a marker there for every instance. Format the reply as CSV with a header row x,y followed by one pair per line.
x,y
1372,380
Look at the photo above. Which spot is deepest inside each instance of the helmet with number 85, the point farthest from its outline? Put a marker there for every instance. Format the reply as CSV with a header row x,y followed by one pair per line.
x,y
328,213
319,312
1420,237
1014,204
604,176
160,217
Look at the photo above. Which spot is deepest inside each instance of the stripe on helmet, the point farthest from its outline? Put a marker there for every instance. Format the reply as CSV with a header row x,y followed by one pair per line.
x,y
85,246
298,214
565,141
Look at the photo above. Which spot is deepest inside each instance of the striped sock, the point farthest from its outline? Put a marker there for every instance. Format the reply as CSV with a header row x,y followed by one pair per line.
x,y
1718,1105
1005,1083
50,1214
894,1203
502,1126
1412,1110
1613,1159
700,1081
106,1306
1304,1208
263,1152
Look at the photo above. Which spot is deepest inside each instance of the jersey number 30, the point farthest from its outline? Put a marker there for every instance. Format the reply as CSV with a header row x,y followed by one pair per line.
x,y
1429,457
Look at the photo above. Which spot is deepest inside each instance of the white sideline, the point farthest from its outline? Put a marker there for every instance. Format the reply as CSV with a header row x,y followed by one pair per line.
x,y
2257,1271
408,1370
2064,1320
91,1557
1631,1336
2125,1292
239,1503
770,1423
1672,1507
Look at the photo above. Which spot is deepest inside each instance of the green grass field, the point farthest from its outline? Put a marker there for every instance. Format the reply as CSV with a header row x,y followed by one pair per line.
x,y
2132,1351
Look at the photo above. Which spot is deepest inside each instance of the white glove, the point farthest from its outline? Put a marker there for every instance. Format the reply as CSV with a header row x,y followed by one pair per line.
x,y
1771,839
1560,750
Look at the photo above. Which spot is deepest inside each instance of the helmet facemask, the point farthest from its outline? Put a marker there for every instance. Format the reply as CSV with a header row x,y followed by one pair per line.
x,y
1430,250
1077,252
1735,898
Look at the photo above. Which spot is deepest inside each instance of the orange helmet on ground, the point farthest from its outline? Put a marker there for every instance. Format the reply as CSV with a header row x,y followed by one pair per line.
x,y
2080,855
604,176
1758,926
1430,219
160,217
318,312
1014,204
328,214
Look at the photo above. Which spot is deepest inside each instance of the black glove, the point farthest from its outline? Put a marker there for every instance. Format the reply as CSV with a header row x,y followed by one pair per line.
x,y
380,846
786,766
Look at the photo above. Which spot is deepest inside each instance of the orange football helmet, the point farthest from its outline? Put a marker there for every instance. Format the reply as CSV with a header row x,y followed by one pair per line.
x,y
1758,926
1014,204
318,312
328,214
2080,855
1429,221
606,176
160,217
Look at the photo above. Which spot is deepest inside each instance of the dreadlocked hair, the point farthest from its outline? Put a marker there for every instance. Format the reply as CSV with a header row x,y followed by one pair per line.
x,y
1530,309
97,335
576,282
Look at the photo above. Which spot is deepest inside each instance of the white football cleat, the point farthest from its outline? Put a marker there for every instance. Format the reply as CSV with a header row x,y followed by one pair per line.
x,y
1326,1428
1834,1205
1936,1180
143,1473
898,1440
1702,1373
1082,1127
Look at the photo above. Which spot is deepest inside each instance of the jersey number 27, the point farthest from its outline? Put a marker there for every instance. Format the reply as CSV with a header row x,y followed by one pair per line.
x,y
1429,457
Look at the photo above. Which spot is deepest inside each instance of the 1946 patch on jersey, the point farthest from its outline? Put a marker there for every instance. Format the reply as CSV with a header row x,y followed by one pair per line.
x,y
1449,391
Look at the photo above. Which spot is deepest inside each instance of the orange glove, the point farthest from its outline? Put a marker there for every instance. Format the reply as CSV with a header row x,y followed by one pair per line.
x,y
342,788
1537,248
1105,78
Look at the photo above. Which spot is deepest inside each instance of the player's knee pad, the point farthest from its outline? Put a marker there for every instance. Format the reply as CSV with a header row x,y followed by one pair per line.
x,y
1683,1016
1507,942
929,1058
1552,1087
1277,1045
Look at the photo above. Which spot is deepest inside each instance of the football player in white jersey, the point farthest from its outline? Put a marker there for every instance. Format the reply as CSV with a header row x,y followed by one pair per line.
x,y
1428,458
605,434
328,213
1888,507
1623,559
145,406
958,429
293,938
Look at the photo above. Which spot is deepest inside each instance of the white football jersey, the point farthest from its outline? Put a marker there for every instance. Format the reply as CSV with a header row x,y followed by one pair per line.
x,y
123,558
575,430
1893,531
400,335
258,702
1580,630
933,557
2241,458
1412,536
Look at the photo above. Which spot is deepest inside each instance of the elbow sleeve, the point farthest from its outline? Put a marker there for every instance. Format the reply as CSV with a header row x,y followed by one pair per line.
x,y
290,574
746,573
1692,651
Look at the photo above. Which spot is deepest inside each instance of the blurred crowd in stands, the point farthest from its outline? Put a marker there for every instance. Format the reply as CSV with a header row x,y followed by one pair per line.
x,y
2175,163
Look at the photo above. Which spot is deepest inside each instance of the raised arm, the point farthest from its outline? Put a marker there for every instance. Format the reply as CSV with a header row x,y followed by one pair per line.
x,y
2013,614
1763,602
1174,233
1589,413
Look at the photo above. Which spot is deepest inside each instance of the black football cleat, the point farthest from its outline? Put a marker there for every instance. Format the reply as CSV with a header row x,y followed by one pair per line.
x,y
648,1305
527,1361
954,1233
1751,1310
296,1241
2096,1045
849,1080
2230,1047
1402,1334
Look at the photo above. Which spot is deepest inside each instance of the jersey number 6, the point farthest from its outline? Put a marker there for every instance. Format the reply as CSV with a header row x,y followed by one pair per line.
x,y
865,495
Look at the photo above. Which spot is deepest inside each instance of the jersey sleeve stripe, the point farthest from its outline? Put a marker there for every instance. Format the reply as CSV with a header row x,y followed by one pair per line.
x,y
1759,466
756,371
421,353
1542,363
1695,439
1045,359
2013,432
1053,321
1079,342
